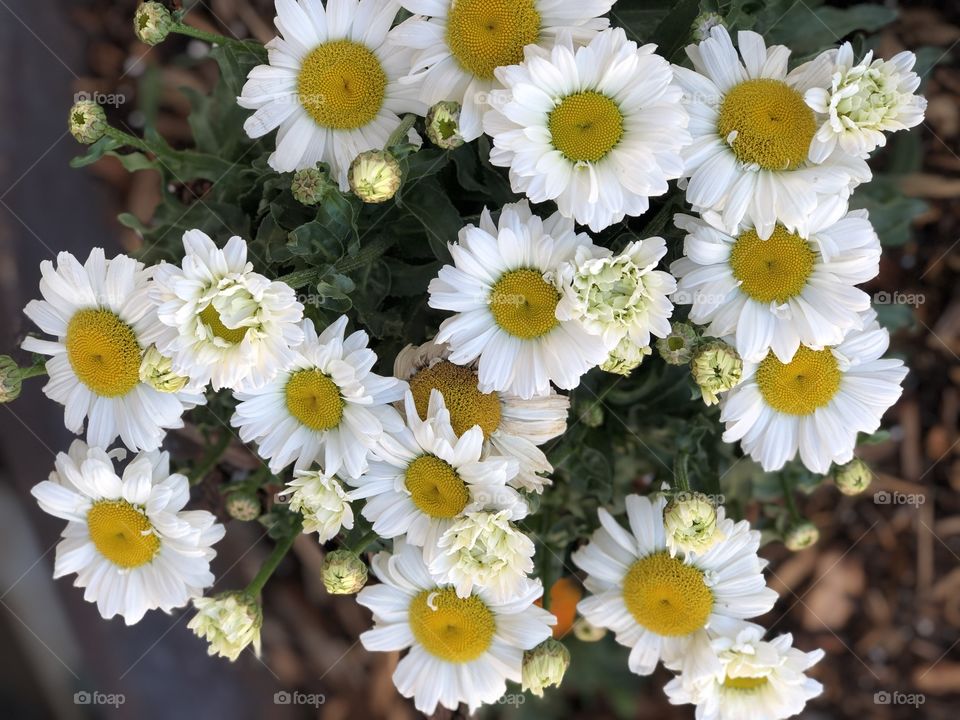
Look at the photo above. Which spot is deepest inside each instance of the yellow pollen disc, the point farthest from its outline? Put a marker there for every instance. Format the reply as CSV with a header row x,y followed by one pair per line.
x,y
586,126
436,488
744,683
774,125
458,385
451,628
772,270
799,387
667,596
524,304
103,352
342,85
122,533
486,34
211,318
314,399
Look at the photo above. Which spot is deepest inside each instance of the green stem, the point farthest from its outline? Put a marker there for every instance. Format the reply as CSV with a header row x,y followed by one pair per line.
x,y
131,140
211,459
269,565
402,129
217,39
367,254
33,371
680,474
362,544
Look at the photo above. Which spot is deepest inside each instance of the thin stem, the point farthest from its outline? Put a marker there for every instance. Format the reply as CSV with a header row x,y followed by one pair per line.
x,y
402,129
362,544
211,459
132,140
269,565
217,39
680,474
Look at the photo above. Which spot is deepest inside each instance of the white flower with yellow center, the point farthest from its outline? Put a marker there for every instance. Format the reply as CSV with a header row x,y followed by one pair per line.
x,y
758,679
461,650
512,427
129,540
326,408
223,323
504,286
460,43
102,321
752,131
864,101
778,293
322,503
661,604
598,129
816,403
331,85
426,476
620,296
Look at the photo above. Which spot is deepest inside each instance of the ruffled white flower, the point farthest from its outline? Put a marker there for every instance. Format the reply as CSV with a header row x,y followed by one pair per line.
x,y
327,407
459,44
102,322
864,101
332,84
229,623
661,605
223,323
426,477
129,540
815,404
778,293
597,129
504,286
757,679
322,503
512,427
752,130
460,649
620,296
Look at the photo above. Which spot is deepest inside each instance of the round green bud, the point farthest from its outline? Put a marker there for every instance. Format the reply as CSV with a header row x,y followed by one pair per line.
x,y
677,347
10,379
801,536
704,23
243,505
853,478
310,185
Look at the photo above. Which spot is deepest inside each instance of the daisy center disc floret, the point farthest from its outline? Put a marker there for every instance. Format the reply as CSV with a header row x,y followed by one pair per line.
x,y
103,352
745,684
799,387
342,85
435,487
586,126
667,596
458,385
122,533
772,270
451,628
524,304
486,34
314,399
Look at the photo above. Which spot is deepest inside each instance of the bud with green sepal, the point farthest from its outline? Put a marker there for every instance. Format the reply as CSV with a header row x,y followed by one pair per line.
x,y
243,505
87,122
625,357
716,367
690,523
544,666
677,348
375,176
853,478
152,22
229,622
443,125
801,536
344,573
311,185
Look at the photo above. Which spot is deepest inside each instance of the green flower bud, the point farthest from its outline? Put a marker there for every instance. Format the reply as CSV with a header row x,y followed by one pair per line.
x,y
243,505
344,573
310,185
228,622
593,415
544,666
716,368
801,536
586,631
152,23
704,23
10,379
375,176
677,347
156,370
443,125
87,122
625,357
690,523
853,478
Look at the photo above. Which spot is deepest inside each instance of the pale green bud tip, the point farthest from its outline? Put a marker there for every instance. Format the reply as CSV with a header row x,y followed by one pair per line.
x,y
152,23
87,122
625,357
156,370
243,505
443,125
716,368
690,523
677,347
344,573
229,622
853,478
801,536
704,23
10,379
592,416
586,631
309,186
544,666
375,176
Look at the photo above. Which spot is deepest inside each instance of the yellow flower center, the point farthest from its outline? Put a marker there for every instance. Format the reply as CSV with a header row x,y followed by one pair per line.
x,y
342,85
211,318
774,126
314,399
586,126
435,487
458,385
486,34
799,387
524,304
122,533
745,683
454,629
667,596
103,352
772,270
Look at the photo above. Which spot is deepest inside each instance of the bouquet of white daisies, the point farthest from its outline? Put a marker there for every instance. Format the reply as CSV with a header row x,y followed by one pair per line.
x,y
499,296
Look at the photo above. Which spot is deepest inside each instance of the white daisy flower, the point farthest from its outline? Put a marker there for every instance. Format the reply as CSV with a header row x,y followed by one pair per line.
x,y
460,44
461,649
321,501
598,129
224,323
780,292
426,476
816,403
661,604
512,427
758,679
327,407
504,286
102,321
129,540
620,296
752,131
864,101
331,85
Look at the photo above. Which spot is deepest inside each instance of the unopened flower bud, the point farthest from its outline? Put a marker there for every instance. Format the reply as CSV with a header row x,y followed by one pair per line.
x,y
544,666
87,122
10,379
716,368
243,505
310,185
443,125
677,347
690,523
586,631
704,23
593,415
625,357
344,573
156,370
152,23
375,176
228,622
853,478
801,536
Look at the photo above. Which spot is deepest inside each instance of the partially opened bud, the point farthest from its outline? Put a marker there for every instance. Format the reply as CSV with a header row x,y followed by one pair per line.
x,y
625,357
229,622
716,368
853,478
152,23
677,347
344,573
544,666
801,536
690,523
375,176
156,370
87,122
443,125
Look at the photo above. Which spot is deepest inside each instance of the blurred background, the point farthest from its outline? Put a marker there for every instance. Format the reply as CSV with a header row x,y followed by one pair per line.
x,y
880,592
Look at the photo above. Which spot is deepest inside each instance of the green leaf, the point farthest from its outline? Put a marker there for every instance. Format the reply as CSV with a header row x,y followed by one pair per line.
x,y
675,30
429,204
94,152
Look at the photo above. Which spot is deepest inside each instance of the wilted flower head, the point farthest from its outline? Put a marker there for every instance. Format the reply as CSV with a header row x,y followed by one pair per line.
x,y
690,523
322,501
443,125
677,347
801,536
544,666
228,622
156,370
87,122
375,176
344,573
625,357
152,23
853,478
717,367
